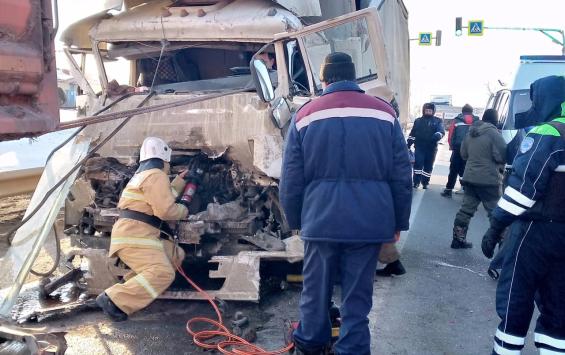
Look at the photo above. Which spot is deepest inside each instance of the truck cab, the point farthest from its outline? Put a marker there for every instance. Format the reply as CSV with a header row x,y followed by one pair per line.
x,y
231,73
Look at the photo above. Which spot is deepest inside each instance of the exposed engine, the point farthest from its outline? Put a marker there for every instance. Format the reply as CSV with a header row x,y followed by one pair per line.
x,y
229,213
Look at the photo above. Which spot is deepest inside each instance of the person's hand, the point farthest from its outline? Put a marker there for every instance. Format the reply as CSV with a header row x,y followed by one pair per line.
x,y
195,174
183,173
492,237
396,236
437,136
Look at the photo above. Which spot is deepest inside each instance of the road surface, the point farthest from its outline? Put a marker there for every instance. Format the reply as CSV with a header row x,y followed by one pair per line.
x,y
444,304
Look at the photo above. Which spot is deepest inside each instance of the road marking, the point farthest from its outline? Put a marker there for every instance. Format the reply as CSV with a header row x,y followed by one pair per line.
x,y
441,263
416,201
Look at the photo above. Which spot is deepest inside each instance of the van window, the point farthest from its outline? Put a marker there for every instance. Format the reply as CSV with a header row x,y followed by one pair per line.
x,y
519,102
502,108
351,38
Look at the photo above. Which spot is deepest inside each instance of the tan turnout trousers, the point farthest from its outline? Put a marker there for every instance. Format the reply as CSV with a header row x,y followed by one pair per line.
x,y
152,272
138,244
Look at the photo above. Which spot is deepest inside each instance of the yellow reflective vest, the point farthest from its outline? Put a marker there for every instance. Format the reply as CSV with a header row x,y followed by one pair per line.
x,y
151,193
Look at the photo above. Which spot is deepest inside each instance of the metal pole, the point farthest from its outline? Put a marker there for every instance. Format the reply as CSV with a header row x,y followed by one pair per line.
x,y
541,30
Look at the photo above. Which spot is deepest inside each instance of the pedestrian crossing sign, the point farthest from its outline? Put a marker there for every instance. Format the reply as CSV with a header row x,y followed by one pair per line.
x,y
425,38
476,28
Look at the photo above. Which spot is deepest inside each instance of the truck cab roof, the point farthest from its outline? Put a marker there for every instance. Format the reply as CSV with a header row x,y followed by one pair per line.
x,y
240,20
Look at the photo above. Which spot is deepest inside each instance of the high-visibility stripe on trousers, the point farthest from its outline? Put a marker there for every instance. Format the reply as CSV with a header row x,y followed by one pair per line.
x,y
154,273
424,164
532,271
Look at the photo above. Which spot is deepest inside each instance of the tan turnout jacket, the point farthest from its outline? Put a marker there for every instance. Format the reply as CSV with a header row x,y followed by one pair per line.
x,y
149,192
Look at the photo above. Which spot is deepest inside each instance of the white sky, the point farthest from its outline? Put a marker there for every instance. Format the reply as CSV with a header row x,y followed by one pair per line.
x,y
462,66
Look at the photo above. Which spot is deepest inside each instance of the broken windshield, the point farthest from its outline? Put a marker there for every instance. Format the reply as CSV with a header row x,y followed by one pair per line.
x,y
351,38
188,67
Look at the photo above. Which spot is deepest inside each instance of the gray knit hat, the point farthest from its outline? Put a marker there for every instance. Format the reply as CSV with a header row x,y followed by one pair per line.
x,y
337,66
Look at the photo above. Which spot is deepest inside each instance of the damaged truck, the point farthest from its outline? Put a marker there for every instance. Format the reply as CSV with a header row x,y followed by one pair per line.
x,y
219,81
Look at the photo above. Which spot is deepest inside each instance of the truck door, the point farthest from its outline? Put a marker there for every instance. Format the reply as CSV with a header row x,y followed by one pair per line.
x,y
28,75
357,34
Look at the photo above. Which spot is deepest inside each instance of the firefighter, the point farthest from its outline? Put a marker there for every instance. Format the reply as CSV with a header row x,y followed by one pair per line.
x,y
533,204
457,133
425,134
146,203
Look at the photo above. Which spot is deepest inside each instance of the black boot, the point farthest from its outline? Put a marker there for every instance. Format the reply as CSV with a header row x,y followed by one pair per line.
x,y
110,309
460,238
299,351
416,185
395,268
425,186
447,193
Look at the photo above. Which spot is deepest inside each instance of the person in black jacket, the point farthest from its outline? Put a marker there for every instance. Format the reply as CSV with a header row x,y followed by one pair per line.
x,y
427,131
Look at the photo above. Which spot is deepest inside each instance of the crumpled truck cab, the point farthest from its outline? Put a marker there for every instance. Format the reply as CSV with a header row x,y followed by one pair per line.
x,y
243,67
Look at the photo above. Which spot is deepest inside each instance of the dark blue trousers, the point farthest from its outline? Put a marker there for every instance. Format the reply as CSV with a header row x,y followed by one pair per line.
x,y
533,270
356,264
424,164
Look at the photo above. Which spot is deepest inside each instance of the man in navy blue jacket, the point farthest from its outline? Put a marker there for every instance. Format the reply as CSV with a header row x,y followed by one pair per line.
x,y
346,184
534,205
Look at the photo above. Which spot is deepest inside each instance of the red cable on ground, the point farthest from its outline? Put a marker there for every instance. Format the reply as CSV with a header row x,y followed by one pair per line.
x,y
232,345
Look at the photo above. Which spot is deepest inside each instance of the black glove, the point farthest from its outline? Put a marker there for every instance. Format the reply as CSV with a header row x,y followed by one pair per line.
x,y
491,238
183,202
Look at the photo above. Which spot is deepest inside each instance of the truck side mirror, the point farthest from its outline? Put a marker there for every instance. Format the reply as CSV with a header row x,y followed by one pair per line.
x,y
280,112
262,80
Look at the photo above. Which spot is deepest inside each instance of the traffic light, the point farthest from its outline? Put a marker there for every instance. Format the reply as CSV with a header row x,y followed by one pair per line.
x,y
438,38
458,26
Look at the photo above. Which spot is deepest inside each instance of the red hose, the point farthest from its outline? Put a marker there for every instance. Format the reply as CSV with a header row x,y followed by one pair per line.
x,y
232,344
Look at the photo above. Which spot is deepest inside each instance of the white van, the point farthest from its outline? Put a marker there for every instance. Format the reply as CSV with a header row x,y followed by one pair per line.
x,y
515,98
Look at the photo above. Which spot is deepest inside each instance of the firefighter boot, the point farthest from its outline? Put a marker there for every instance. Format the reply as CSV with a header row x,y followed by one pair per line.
x,y
460,238
110,309
395,268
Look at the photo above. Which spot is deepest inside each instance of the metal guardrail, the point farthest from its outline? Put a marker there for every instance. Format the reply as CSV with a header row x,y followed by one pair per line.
x,y
16,182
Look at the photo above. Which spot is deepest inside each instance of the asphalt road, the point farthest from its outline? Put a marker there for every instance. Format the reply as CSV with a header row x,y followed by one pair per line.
x,y
443,305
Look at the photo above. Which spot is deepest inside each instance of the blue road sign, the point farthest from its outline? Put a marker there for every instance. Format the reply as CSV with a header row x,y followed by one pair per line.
x,y
476,27
425,38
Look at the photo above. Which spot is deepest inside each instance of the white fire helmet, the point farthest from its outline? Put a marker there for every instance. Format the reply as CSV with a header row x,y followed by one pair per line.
x,y
154,147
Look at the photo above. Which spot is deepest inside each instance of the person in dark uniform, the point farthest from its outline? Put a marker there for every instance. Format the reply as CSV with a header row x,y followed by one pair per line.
x,y
457,133
346,185
534,205
427,131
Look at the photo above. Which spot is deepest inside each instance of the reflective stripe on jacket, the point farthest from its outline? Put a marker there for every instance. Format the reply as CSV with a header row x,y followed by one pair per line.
x,y
346,175
151,193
